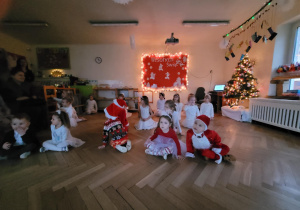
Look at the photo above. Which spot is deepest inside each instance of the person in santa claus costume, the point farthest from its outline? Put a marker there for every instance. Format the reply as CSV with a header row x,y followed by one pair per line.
x,y
208,142
116,126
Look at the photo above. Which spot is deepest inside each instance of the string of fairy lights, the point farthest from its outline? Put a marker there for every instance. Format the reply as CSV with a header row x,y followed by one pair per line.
x,y
251,20
162,55
256,15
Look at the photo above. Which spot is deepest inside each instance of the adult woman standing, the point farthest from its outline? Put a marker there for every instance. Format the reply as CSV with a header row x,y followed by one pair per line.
x,y
23,65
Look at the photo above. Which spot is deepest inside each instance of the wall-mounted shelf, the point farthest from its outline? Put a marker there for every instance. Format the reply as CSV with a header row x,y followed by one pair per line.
x,y
279,80
105,96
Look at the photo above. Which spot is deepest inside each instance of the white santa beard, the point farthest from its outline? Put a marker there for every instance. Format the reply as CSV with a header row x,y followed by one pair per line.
x,y
200,143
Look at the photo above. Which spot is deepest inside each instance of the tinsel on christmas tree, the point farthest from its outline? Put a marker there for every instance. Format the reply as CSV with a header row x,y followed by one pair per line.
x,y
242,84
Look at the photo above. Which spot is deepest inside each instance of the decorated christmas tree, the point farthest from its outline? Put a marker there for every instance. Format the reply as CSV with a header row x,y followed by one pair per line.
x,y
242,84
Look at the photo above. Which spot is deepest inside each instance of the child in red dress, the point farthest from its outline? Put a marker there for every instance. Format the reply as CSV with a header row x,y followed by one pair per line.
x,y
164,141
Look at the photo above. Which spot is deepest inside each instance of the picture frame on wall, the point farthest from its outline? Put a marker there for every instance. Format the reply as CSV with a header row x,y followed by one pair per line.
x,y
53,58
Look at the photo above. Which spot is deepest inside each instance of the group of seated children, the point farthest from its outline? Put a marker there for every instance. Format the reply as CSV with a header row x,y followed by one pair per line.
x,y
164,141
22,140
173,108
65,104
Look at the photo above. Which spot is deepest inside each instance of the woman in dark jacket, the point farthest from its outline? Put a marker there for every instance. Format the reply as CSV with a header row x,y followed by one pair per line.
x,y
18,97
23,65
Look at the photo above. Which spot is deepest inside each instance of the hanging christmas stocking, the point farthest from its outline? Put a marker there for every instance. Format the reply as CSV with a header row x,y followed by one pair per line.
x,y
249,46
227,54
264,39
241,43
231,52
256,38
273,34
242,56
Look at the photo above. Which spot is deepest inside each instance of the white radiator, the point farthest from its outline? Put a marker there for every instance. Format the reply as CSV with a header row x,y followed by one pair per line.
x,y
277,112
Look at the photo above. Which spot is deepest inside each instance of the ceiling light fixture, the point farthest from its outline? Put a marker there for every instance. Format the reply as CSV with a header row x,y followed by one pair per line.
x,y
114,23
16,23
205,22
122,1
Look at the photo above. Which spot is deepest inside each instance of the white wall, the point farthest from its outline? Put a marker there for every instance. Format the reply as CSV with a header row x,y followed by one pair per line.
x,y
121,63
15,46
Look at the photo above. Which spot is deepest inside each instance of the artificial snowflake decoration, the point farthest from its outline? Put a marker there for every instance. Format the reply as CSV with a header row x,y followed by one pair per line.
x,y
152,76
167,75
160,67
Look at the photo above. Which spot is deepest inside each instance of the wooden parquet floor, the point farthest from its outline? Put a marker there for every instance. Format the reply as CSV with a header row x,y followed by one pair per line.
x,y
266,174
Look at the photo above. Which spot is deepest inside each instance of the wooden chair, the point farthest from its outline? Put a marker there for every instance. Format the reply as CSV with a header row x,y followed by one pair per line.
x,y
49,92
52,91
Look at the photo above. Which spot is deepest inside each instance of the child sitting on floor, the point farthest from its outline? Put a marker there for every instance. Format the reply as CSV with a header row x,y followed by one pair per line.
x,y
164,141
191,112
206,107
208,142
145,115
179,105
122,97
116,126
64,94
91,105
170,108
19,142
160,105
61,136
68,108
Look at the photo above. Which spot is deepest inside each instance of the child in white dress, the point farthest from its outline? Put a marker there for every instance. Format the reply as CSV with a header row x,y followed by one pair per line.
x,y
191,112
91,105
164,141
206,107
68,108
179,105
170,108
61,136
160,105
145,115
64,94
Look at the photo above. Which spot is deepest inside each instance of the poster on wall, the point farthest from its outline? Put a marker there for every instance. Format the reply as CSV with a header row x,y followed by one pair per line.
x,y
161,72
53,58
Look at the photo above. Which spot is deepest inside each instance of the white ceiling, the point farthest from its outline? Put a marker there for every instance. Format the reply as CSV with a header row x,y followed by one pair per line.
x,y
69,20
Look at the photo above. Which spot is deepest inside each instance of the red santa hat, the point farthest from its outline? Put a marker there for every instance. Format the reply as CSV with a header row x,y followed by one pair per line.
x,y
204,119
113,112
120,103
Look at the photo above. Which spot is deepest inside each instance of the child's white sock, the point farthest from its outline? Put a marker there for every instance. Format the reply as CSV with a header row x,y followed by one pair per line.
x,y
25,155
65,149
121,148
128,145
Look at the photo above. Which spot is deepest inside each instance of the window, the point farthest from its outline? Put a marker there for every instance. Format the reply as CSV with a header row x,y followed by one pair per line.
x,y
295,83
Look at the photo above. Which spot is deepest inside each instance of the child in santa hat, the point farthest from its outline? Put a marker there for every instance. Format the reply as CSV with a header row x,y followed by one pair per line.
x,y
116,126
208,142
